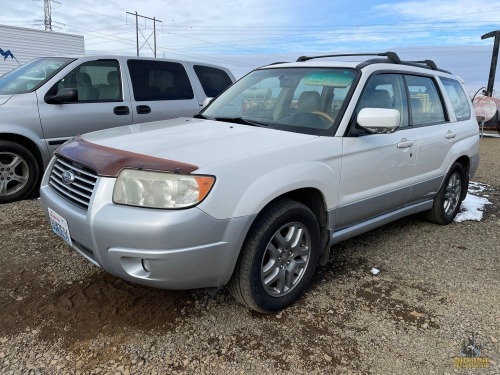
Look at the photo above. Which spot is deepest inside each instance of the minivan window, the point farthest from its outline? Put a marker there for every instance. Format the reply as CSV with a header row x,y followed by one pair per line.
x,y
32,75
213,80
95,81
459,100
426,107
159,80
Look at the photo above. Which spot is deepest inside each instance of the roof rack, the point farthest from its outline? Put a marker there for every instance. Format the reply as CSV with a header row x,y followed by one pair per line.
x,y
392,56
431,64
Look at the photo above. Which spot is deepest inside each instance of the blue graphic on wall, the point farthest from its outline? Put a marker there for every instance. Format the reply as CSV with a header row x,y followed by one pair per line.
x,y
6,54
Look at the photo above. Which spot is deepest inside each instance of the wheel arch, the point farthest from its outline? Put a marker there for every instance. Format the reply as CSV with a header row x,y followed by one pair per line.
x,y
314,199
28,144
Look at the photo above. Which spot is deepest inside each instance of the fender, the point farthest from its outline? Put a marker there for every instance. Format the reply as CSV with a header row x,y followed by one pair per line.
x,y
259,190
10,131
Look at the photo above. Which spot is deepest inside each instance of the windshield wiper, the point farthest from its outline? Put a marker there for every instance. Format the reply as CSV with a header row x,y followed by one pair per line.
x,y
241,120
199,115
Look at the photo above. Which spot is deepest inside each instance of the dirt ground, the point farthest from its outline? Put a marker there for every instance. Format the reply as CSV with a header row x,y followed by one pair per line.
x,y
438,288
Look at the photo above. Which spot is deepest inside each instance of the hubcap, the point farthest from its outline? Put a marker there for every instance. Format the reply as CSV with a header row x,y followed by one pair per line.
x,y
14,173
285,259
452,193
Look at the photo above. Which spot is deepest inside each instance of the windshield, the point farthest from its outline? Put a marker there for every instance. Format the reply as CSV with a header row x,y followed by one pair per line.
x,y
304,100
32,75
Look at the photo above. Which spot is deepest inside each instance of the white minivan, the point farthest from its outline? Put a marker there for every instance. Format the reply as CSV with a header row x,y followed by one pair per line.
x,y
51,99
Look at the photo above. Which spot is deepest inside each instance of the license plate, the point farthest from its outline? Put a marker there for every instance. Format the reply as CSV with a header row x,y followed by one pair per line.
x,y
60,226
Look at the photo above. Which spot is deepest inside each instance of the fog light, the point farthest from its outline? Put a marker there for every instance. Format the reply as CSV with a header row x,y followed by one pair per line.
x,y
145,265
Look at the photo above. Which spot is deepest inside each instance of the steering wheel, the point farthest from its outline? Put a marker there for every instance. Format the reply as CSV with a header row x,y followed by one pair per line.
x,y
324,115
318,120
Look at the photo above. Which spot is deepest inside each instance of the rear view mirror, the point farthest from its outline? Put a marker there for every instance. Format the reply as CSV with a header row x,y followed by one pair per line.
x,y
379,120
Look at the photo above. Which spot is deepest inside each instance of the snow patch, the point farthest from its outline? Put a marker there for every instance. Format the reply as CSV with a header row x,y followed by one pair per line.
x,y
472,206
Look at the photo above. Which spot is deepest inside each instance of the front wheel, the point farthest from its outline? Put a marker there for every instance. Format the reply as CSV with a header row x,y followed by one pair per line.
x,y
18,172
279,257
449,197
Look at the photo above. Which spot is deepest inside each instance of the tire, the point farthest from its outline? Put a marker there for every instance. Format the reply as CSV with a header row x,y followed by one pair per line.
x,y
279,257
449,197
19,172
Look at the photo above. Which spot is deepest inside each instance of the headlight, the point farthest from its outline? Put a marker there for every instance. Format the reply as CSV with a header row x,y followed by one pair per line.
x,y
160,189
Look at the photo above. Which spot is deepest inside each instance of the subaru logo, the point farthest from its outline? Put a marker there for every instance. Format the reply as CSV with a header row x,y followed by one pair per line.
x,y
68,177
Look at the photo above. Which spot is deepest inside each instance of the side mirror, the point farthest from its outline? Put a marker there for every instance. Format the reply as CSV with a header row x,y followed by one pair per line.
x,y
206,102
63,96
379,120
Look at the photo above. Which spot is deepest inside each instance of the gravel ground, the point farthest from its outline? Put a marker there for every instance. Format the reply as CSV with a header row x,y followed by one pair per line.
x,y
437,286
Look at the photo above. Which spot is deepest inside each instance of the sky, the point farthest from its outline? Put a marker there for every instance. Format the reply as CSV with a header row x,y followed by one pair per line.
x,y
245,34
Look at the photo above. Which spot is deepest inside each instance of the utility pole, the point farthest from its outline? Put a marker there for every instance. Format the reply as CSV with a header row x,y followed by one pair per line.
x,y
137,32
494,59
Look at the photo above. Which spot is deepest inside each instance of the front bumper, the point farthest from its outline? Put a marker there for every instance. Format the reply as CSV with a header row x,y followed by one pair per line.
x,y
184,249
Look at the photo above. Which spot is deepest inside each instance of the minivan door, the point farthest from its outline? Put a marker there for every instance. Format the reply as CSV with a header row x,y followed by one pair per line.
x,y
102,102
160,90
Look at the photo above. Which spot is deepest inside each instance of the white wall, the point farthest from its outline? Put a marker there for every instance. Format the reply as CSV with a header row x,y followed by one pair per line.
x,y
27,44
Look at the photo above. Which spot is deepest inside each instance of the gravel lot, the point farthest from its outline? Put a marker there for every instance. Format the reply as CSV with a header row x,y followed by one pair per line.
x,y
437,285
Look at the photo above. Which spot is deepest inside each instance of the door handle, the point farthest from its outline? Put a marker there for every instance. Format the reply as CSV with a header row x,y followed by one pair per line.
x,y
143,109
450,135
121,110
405,143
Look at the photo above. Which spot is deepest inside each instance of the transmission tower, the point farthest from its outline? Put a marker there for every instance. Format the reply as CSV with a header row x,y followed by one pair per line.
x,y
47,11
48,17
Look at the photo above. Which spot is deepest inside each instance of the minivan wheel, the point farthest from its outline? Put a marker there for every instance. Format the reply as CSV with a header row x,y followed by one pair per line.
x,y
449,197
279,257
18,172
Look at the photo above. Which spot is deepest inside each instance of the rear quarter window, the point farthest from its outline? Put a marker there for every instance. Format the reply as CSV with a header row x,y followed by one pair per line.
x,y
213,80
458,98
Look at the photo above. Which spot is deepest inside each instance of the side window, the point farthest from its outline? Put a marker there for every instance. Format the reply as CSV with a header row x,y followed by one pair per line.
x,y
459,100
159,80
426,107
213,80
386,91
95,81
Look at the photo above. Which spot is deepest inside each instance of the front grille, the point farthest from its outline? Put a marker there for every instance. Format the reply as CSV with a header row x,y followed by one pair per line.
x,y
80,190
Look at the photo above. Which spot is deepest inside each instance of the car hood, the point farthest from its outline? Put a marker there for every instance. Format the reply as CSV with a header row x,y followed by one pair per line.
x,y
194,141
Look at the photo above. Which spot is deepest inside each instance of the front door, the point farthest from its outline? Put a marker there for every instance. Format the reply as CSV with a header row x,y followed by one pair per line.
x,y
101,102
377,169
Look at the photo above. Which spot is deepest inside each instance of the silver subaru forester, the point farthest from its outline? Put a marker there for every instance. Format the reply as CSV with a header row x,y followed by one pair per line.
x,y
255,190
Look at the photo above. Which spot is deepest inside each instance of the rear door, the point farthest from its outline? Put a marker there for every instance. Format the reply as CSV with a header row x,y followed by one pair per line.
x,y
102,102
160,90
435,136
377,169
